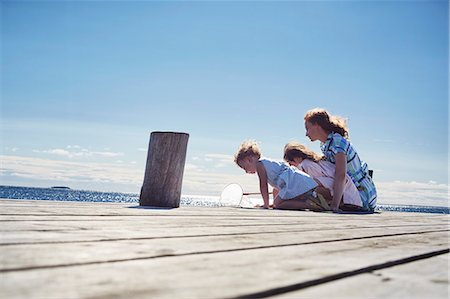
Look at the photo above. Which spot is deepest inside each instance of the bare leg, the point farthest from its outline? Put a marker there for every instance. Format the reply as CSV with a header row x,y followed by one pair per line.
x,y
345,207
275,193
325,193
292,204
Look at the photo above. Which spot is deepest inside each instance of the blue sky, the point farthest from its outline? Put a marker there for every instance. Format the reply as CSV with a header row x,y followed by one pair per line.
x,y
83,83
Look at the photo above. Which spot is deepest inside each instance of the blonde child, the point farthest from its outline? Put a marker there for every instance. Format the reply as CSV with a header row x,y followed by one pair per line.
x,y
322,172
296,189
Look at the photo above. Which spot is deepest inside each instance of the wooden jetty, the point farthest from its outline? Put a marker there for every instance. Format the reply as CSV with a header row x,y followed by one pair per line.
x,y
52,249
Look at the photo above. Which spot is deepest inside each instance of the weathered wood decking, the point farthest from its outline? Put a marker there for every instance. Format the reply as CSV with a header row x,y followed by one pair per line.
x,y
53,249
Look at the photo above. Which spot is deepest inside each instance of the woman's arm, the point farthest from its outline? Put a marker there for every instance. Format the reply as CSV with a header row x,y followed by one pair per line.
x,y
263,184
339,180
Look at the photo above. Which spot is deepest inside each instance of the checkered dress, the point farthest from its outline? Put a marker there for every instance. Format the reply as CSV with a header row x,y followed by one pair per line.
x,y
356,168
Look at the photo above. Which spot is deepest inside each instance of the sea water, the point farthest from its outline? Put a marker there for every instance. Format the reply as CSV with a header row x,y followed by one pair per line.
x,y
31,193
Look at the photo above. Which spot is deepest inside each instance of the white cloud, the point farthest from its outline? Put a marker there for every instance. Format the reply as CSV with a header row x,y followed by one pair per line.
x,y
198,180
220,165
413,193
67,171
216,160
220,157
57,152
60,152
106,154
191,166
82,152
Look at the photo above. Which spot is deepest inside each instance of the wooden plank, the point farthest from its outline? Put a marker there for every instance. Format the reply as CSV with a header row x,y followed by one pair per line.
x,y
80,232
427,278
45,255
66,231
68,250
211,275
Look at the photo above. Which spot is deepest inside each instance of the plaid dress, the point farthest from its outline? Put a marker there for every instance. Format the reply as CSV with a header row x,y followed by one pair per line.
x,y
356,169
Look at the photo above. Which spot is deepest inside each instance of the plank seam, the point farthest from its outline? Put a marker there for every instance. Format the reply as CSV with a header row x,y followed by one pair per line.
x,y
342,275
190,236
6,270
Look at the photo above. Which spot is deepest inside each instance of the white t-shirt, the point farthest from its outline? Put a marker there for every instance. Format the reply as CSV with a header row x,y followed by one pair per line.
x,y
289,180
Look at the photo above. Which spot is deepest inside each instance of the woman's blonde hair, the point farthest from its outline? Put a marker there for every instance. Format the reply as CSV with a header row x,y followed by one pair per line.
x,y
294,150
328,122
246,149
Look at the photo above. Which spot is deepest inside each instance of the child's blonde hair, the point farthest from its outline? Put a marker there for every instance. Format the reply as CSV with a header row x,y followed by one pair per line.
x,y
294,150
246,149
328,122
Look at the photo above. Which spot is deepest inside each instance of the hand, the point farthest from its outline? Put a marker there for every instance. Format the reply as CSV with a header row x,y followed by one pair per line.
x,y
262,206
335,208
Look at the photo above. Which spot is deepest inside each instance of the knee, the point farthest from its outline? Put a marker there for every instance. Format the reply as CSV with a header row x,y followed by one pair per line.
x,y
277,203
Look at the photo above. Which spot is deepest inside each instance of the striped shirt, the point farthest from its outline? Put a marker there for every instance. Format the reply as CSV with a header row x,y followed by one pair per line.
x,y
356,169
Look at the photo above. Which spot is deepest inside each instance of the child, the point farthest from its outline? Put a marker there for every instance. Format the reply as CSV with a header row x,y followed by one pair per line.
x,y
296,189
332,132
323,172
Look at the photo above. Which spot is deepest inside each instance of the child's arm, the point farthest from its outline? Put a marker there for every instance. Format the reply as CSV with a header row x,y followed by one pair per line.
x,y
339,180
263,184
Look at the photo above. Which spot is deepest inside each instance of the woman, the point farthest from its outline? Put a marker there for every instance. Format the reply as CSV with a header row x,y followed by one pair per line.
x,y
337,149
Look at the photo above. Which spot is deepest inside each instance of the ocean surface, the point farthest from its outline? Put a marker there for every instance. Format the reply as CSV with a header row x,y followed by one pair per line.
x,y
31,193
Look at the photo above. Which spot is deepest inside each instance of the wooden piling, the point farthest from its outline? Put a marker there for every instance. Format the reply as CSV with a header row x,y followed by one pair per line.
x,y
164,170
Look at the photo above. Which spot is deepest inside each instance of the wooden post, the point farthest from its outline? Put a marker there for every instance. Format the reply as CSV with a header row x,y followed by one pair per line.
x,y
164,170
